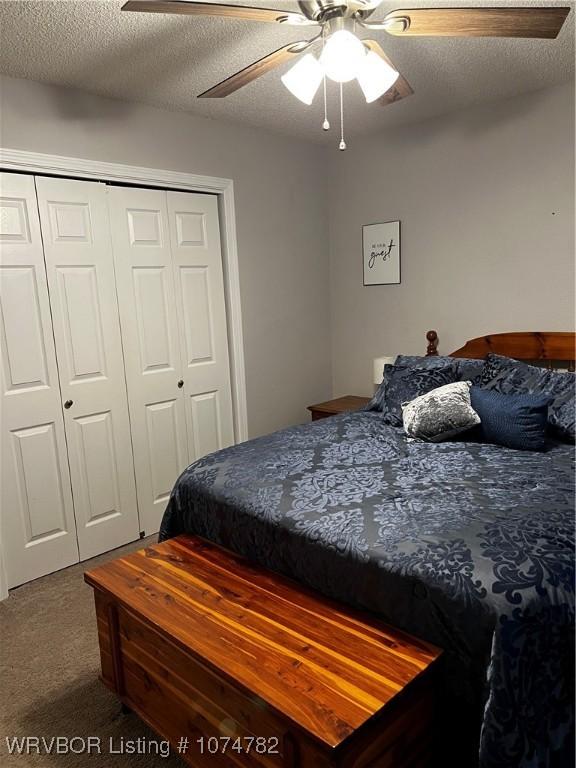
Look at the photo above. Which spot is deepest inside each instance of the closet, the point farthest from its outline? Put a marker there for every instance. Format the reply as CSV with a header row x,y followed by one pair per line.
x,y
115,364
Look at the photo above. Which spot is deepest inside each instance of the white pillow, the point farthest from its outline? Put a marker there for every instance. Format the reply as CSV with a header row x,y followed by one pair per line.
x,y
440,413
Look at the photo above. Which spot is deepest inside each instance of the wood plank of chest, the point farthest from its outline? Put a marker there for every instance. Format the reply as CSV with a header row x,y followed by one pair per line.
x,y
324,669
318,700
271,634
300,617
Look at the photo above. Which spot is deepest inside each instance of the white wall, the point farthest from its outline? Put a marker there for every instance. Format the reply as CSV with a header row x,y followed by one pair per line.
x,y
281,220
486,201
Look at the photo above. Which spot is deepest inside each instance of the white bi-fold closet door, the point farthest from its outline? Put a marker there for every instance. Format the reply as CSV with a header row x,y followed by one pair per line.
x,y
81,284
115,368
68,489
38,531
172,309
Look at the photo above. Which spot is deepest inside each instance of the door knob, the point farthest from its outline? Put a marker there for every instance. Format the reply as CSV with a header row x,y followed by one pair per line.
x,y
180,384
68,403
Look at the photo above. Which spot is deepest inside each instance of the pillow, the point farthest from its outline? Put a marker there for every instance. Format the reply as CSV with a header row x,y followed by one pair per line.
x,y
441,413
467,368
401,384
508,376
515,421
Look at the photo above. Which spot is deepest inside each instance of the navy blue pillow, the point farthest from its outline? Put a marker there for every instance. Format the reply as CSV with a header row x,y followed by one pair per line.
x,y
510,376
515,421
467,369
402,384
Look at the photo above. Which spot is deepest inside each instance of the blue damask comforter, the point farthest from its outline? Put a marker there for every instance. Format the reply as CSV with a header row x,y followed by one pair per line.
x,y
469,546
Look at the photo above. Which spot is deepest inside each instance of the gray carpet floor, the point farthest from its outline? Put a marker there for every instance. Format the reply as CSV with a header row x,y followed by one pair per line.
x,y
49,666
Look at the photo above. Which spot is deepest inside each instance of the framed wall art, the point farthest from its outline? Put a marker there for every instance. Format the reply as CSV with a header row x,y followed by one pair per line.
x,y
381,253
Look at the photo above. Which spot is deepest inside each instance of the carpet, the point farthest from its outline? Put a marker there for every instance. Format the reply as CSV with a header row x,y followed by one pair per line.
x,y
49,686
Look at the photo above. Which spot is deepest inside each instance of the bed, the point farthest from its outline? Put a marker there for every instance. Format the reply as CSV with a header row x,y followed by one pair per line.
x,y
467,545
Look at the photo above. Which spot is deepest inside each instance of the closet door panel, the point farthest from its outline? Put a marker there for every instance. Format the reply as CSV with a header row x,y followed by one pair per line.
x,y
146,294
205,423
201,308
37,526
81,280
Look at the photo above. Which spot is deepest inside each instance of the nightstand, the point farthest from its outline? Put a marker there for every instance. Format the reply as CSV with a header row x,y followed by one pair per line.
x,y
340,404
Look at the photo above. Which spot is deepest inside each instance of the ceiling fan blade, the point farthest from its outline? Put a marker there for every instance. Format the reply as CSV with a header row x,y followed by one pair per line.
x,y
255,70
401,87
477,22
216,9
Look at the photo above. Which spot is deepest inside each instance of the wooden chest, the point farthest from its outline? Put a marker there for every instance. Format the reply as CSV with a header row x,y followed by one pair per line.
x,y
253,669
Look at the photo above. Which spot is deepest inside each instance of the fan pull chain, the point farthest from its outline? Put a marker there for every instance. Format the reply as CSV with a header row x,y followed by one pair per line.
x,y
325,124
342,145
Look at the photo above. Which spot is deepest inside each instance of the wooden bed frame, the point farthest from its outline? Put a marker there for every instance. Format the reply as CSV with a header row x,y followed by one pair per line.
x,y
535,346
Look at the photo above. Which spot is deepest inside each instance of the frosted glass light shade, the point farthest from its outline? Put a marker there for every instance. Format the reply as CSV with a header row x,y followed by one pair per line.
x,y
304,78
375,76
342,56
379,363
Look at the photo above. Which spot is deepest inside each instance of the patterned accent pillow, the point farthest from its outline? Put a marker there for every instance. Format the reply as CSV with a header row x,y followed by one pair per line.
x,y
508,376
514,421
467,368
441,413
377,400
401,384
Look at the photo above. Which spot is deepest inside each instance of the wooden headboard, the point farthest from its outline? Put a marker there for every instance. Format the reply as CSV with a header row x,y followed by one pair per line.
x,y
547,346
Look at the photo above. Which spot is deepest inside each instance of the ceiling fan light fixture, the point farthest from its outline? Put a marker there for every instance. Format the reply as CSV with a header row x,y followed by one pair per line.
x,y
375,76
304,78
342,56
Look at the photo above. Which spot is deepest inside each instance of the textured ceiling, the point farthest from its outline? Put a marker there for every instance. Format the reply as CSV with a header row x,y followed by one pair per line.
x,y
167,60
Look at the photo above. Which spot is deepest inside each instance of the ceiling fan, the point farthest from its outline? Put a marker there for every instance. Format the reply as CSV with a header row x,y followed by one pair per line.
x,y
344,56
